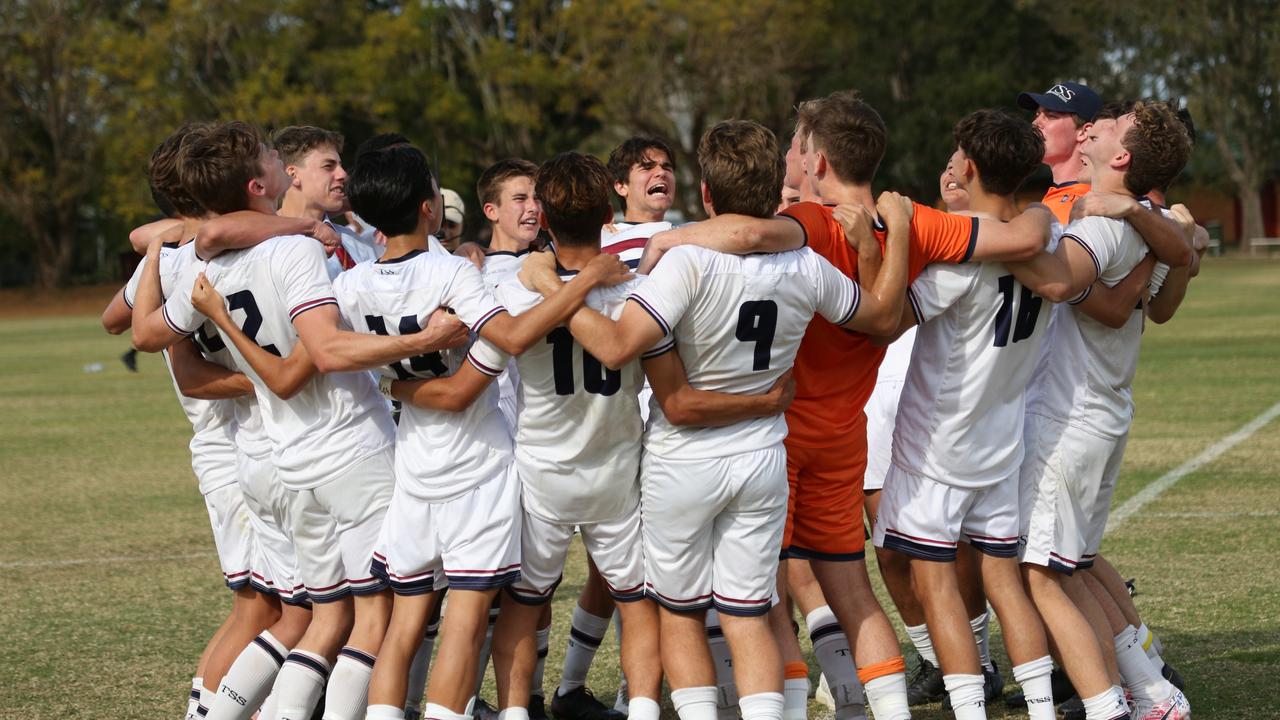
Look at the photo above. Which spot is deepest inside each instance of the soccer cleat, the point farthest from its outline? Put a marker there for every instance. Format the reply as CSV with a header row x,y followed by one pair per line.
x,y
581,704
1175,707
482,710
1072,709
1168,673
537,708
925,685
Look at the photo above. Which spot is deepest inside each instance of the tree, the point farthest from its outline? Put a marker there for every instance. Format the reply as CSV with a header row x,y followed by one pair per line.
x,y
51,100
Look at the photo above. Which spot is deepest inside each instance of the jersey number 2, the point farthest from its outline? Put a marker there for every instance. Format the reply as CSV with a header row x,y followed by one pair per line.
x,y
1028,310
243,300
596,378
757,321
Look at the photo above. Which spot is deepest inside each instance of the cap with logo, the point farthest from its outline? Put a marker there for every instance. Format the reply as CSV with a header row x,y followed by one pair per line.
x,y
1067,97
454,210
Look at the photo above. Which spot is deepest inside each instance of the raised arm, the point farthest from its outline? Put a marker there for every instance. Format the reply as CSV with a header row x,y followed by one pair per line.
x,y
448,394
168,229
118,316
683,405
880,308
196,377
1166,238
247,228
1165,303
1113,306
514,335
149,330
1018,240
736,234
284,376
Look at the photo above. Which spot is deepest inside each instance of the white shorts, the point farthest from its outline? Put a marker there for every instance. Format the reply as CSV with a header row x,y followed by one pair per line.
x,y
232,534
275,565
614,546
213,457
926,519
712,530
472,540
335,526
1067,478
882,411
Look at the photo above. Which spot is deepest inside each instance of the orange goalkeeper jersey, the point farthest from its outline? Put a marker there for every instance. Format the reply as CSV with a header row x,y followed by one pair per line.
x,y
835,369
1061,198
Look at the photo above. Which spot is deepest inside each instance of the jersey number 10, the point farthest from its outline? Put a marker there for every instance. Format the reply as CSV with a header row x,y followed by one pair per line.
x,y
1028,310
596,378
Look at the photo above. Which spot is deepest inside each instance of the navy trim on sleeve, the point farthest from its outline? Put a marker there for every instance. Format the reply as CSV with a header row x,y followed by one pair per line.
x,y
653,313
1097,266
973,241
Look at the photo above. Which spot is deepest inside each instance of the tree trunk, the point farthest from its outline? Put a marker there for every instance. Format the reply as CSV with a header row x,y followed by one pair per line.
x,y
53,258
1250,214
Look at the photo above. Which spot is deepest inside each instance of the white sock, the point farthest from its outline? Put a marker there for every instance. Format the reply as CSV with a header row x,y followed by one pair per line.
x,y
417,686
919,635
981,627
440,712
1106,705
967,699
1140,677
207,697
1150,646
831,647
384,712
348,693
485,650
539,668
268,711
887,696
695,703
1033,676
299,685
514,713
248,681
764,706
585,634
643,708
795,699
726,688
193,700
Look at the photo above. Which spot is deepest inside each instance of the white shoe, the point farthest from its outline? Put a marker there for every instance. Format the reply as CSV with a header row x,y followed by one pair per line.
x,y
1174,708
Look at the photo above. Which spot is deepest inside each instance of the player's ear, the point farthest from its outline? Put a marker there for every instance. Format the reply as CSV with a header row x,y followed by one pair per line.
x,y
706,199
1122,160
1082,132
490,212
620,188
256,188
294,180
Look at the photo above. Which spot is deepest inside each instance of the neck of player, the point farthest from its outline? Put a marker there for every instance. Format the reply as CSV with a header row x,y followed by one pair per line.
x,y
838,193
1000,207
295,205
500,241
575,257
1068,169
401,245
641,215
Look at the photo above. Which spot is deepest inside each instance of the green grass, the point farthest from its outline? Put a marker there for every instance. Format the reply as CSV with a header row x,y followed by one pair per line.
x,y
109,587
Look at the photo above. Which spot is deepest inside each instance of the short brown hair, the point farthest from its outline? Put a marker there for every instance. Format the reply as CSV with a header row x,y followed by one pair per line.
x,y
489,186
216,167
1005,149
162,172
805,113
294,142
1158,146
573,190
742,167
851,133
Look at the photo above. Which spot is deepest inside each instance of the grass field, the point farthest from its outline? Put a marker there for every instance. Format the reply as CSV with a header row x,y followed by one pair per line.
x,y
109,587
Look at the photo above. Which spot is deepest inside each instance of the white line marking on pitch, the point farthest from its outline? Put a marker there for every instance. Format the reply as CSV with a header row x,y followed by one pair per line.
x,y
1187,515
1166,481
101,561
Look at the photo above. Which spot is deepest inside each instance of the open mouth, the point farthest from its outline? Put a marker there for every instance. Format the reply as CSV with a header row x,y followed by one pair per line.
x,y
952,185
657,189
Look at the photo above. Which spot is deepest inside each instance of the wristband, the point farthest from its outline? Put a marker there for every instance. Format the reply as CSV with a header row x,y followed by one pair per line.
x,y
384,387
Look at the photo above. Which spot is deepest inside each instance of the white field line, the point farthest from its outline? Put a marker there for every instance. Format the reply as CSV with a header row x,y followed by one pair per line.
x,y
1193,515
20,564
1169,479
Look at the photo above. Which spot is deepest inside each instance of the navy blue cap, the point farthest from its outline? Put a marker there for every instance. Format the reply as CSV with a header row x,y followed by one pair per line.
x,y
1067,97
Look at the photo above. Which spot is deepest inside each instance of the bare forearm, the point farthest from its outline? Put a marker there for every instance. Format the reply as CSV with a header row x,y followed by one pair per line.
x,y
687,406
1165,304
142,236
209,381
1163,236
118,316
245,229
515,335
601,337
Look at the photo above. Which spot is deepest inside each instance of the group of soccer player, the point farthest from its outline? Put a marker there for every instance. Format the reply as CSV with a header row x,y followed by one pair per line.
x,y
397,441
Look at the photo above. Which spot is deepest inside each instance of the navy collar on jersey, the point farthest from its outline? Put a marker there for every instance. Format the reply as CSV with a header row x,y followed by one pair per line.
x,y
172,245
508,253
1059,186
407,256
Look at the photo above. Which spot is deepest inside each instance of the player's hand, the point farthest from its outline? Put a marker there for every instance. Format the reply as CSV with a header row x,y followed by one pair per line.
x,y
443,331
206,299
1104,204
327,236
782,392
473,252
895,209
607,269
538,273
857,223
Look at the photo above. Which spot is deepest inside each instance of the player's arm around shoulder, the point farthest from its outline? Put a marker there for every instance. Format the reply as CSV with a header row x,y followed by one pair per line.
x,y
682,404
247,228
1019,240
1073,265
730,233
1168,238
877,310
155,326
1113,306
198,378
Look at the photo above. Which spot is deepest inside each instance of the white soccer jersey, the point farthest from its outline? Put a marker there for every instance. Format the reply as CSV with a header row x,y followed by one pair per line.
x,y
897,358
960,415
439,455
578,437
336,419
737,322
627,239
1086,369
501,267
209,419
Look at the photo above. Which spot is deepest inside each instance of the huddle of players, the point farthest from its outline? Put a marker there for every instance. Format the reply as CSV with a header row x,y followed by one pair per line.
x,y
370,519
